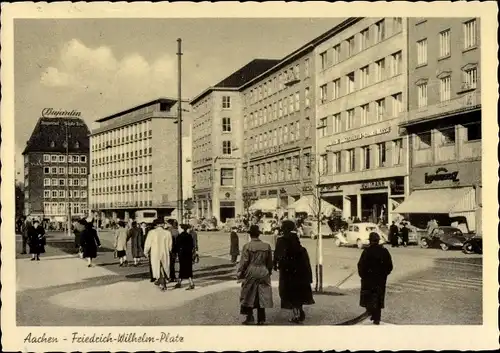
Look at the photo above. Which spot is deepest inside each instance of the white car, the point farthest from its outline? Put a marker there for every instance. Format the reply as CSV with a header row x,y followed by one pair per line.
x,y
358,233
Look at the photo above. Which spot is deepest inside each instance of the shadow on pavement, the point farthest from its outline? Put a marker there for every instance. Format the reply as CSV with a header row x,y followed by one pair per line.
x,y
217,267
213,274
68,246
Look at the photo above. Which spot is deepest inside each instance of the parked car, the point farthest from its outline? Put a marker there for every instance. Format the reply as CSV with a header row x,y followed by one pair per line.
x,y
358,233
310,229
444,237
473,245
266,225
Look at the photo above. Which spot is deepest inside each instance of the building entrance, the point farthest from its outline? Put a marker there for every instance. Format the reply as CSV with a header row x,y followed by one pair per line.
x,y
227,212
374,207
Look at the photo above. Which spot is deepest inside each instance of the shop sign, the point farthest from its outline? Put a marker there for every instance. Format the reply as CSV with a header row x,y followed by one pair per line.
x,y
329,188
53,113
227,204
376,184
397,186
441,174
362,135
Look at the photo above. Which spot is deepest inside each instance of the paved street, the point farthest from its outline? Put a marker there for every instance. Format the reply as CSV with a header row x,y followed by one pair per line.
x,y
61,290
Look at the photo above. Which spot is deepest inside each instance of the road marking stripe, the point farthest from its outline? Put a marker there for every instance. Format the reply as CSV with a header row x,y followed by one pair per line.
x,y
472,280
459,263
413,287
456,282
427,283
445,284
466,285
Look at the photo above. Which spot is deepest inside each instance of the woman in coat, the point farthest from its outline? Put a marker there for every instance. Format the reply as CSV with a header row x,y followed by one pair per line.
x,y
89,241
157,247
36,240
292,261
121,238
234,245
374,265
256,264
184,247
136,242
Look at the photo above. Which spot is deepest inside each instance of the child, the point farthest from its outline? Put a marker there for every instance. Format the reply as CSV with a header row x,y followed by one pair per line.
x,y
234,245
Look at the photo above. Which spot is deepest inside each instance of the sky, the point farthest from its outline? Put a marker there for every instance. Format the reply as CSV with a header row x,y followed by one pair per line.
x,y
102,66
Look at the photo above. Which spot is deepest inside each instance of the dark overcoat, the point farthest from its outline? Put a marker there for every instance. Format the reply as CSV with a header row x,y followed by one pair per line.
x,y
184,247
234,244
255,269
36,239
136,242
89,241
374,265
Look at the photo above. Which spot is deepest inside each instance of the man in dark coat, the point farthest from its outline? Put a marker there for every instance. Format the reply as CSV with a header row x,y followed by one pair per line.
x,y
405,232
89,241
24,234
393,234
234,245
374,265
184,249
36,240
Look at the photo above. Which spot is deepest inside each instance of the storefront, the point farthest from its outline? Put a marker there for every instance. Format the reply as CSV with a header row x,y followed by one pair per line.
x,y
227,204
203,204
446,192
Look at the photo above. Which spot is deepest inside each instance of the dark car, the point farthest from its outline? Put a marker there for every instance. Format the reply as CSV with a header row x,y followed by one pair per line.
x,y
444,237
473,245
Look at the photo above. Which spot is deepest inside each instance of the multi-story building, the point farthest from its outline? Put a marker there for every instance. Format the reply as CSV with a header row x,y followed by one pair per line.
x,y
134,160
361,158
218,143
444,120
56,166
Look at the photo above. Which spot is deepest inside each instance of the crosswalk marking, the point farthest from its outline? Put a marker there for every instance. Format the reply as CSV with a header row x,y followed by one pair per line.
x,y
428,283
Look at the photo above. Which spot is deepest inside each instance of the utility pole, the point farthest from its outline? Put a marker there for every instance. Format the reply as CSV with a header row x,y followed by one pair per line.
x,y
319,285
68,203
179,129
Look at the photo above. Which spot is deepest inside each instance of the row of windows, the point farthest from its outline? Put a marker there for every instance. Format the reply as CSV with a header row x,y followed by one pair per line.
x,y
469,41
123,171
120,136
62,182
62,170
124,180
61,158
47,194
122,188
122,156
55,208
127,197
361,78
282,169
369,36
447,136
363,115
469,77
277,83
276,137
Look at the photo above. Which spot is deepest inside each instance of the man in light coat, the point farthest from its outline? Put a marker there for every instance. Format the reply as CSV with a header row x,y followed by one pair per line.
x,y
157,247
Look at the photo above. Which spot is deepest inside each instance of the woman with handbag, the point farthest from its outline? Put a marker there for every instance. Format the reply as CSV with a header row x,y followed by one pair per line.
x,y
36,239
121,243
89,241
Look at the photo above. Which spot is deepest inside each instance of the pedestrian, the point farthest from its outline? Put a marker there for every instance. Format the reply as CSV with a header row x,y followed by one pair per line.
x,y
431,225
374,265
194,234
157,248
173,227
256,264
394,234
184,248
24,235
136,242
89,241
295,274
234,245
121,243
144,231
36,240
405,231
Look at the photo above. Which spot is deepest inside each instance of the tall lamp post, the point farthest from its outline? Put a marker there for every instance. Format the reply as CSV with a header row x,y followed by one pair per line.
x,y
68,203
179,130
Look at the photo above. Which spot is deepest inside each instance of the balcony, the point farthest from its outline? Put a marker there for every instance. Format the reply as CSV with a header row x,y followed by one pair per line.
x,y
471,150
422,156
445,153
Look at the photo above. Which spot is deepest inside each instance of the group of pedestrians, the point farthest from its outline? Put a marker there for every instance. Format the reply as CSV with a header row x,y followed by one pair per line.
x,y
395,233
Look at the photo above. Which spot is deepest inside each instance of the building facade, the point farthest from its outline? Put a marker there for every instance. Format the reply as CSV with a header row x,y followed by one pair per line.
x,y
361,96
218,144
134,160
444,120
56,168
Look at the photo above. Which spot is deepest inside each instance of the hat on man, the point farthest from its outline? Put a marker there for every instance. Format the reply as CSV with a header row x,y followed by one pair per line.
x,y
158,222
374,238
254,231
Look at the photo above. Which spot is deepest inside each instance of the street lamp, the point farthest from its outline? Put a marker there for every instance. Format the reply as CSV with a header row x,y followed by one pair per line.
x,y
68,203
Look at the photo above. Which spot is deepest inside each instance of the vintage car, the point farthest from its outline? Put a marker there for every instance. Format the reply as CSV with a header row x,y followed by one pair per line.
x,y
473,245
310,229
444,237
358,233
266,225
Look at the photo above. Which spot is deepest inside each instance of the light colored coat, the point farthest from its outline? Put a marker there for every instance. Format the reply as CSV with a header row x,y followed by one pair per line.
x,y
121,239
158,245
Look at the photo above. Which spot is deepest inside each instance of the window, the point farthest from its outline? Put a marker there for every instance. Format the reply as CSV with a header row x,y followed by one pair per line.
x,y
380,31
290,104
324,60
365,111
337,162
365,39
226,147
83,182
336,89
380,106
226,102
351,46
351,159
297,130
323,123
53,170
350,82
444,43
83,159
46,194
424,140
46,182
62,159
226,124
396,63
76,182
365,76
470,34
46,170
398,152
397,104
297,101
473,132
285,134
70,182
350,119
382,153
306,68
470,78
323,164
308,100
337,123
336,54
53,158
292,132
54,194
62,194
447,136
422,95
76,208
366,157
46,158
323,93
397,24
422,52
227,176
280,103
445,89
379,70
62,182
62,170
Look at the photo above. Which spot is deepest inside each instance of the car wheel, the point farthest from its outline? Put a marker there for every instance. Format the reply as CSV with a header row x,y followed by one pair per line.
x,y
424,244
359,244
338,243
468,249
444,247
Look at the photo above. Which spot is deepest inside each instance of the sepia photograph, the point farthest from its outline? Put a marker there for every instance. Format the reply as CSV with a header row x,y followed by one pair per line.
x,y
169,181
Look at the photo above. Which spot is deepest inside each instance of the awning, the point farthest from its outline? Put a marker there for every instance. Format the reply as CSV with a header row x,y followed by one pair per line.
x,y
438,201
264,205
309,204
